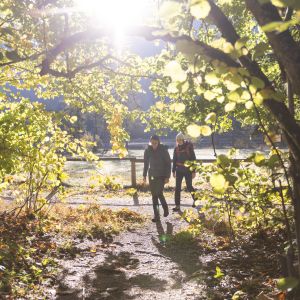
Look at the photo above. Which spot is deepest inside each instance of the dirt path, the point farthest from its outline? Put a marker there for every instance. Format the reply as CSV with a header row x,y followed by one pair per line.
x,y
135,265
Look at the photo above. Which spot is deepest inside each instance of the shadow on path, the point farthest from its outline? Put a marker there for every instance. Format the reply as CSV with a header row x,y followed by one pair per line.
x,y
180,249
112,280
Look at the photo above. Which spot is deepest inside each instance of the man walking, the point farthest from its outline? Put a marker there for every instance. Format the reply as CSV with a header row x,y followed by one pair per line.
x,y
157,160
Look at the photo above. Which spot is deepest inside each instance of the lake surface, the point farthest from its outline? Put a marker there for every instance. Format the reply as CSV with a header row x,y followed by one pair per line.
x,y
79,172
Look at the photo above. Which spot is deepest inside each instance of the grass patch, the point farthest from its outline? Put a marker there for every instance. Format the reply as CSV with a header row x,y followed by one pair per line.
x,y
92,221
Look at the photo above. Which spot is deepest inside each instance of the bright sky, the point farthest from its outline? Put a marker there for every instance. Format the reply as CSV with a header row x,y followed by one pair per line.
x,y
120,15
117,13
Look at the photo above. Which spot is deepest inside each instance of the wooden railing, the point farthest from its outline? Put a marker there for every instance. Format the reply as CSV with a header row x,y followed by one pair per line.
x,y
133,161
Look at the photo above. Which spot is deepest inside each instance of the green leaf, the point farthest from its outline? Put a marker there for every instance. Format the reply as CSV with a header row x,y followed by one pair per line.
x,y
200,8
219,273
287,283
179,107
172,88
209,95
279,26
184,87
218,183
245,95
239,44
223,160
170,9
212,78
230,106
273,161
234,96
279,3
174,70
211,118
259,158
160,105
257,82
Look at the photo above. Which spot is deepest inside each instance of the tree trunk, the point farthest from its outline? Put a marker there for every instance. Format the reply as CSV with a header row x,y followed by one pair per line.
x,y
295,176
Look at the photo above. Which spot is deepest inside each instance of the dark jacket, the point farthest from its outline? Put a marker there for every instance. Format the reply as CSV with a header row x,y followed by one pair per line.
x,y
183,153
158,160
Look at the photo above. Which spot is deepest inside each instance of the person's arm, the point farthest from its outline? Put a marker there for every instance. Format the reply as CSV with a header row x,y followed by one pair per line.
x,y
146,164
193,155
174,162
167,159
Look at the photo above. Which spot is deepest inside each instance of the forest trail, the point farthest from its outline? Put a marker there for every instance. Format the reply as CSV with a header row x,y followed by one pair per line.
x,y
137,264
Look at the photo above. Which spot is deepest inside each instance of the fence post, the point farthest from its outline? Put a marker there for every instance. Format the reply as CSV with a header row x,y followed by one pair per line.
x,y
133,172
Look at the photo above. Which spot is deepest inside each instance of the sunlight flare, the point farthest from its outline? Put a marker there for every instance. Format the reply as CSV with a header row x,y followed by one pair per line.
x,y
116,13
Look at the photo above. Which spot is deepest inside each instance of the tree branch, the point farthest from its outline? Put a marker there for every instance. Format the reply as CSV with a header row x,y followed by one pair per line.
x,y
278,109
283,44
145,32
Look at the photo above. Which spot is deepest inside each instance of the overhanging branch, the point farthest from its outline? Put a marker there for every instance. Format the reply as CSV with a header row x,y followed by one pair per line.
x,y
145,32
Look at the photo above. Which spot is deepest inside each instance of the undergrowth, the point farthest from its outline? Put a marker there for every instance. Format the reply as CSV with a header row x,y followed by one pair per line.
x,y
29,243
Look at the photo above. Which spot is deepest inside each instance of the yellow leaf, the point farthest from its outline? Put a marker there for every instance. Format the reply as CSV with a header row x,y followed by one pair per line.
x,y
249,104
200,8
218,183
205,130
73,119
212,78
209,95
210,118
174,70
230,106
194,130
160,105
179,107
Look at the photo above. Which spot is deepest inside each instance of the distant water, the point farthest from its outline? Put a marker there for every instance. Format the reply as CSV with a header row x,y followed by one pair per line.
x,y
121,169
202,153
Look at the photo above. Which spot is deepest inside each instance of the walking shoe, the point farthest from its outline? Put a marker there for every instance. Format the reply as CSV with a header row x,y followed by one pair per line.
x,y
154,220
176,208
166,213
194,204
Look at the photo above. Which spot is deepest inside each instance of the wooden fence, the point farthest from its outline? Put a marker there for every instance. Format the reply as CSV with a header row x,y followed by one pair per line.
x,y
133,162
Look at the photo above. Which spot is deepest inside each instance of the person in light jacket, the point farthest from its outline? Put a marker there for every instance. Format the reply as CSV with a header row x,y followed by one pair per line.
x,y
157,163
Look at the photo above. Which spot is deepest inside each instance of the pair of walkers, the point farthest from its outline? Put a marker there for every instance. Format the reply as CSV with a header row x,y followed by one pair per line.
x,y
157,164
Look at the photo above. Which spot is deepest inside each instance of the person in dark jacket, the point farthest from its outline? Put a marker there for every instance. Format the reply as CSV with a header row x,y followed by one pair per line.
x,y
184,151
157,160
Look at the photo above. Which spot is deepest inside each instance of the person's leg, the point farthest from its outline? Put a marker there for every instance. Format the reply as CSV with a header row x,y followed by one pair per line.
x,y
161,196
189,185
153,189
179,177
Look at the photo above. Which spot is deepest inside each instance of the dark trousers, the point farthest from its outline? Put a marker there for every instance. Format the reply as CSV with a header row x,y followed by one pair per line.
x,y
156,187
188,180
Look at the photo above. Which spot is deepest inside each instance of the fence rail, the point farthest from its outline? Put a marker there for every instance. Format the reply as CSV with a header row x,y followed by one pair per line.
x,y
134,160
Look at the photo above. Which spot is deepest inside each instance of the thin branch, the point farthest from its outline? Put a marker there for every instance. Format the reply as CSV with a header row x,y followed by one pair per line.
x,y
146,32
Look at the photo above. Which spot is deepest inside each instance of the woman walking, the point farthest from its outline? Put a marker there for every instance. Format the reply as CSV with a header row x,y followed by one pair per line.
x,y
157,160
184,151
